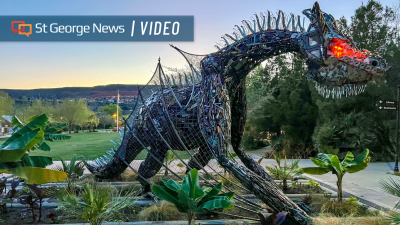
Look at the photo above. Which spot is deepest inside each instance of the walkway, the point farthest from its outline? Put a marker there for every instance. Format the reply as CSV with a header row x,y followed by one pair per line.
x,y
363,185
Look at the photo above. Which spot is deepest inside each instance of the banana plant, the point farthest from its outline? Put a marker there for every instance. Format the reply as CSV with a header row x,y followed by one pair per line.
x,y
330,163
190,198
15,158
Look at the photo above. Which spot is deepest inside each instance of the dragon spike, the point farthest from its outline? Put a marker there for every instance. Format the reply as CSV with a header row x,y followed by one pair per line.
x,y
304,19
283,20
232,38
254,25
277,20
180,80
237,38
242,32
288,24
173,79
293,22
187,83
269,20
263,21
248,26
226,41
258,22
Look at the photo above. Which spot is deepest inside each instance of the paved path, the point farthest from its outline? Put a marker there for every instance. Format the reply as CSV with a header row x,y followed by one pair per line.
x,y
363,185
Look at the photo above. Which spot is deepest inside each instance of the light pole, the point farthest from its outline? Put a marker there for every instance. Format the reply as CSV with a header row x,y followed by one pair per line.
x,y
396,166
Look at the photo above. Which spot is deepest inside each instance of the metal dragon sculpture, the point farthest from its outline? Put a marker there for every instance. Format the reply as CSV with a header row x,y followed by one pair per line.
x,y
204,112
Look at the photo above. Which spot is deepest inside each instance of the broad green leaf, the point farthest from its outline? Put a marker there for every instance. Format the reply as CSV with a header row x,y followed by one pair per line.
x,y
185,187
166,194
29,161
315,170
35,175
195,189
55,129
44,147
14,150
56,137
171,184
349,157
320,163
33,142
187,203
360,158
39,122
336,164
325,157
357,168
37,161
214,192
220,203
229,195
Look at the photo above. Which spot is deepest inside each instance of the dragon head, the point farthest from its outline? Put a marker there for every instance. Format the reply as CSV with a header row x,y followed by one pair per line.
x,y
334,62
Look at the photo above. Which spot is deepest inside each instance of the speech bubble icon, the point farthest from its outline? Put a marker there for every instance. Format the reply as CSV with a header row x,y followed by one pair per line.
x,y
25,33
12,26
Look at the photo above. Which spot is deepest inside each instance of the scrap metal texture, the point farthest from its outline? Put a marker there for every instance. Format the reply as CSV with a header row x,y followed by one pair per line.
x,y
202,113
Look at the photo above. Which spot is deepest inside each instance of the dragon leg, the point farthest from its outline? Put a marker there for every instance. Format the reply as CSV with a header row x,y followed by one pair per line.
x,y
151,165
239,108
214,121
202,157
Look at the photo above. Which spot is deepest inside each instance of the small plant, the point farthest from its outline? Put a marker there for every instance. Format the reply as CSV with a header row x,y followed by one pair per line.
x,y
74,169
190,198
330,163
169,158
392,187
95,203
353,200
313,184
286,172
294,184
160,211
338,208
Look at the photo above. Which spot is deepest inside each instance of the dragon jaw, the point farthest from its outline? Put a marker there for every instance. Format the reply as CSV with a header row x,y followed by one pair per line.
x,y
334,62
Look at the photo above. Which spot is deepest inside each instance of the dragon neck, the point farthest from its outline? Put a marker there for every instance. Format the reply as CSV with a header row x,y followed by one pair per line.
x,y
236,60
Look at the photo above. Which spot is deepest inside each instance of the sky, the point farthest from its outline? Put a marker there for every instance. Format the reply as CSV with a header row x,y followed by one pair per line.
x,y
29,65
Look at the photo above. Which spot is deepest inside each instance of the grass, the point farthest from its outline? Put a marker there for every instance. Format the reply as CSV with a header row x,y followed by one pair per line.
x,y
90,145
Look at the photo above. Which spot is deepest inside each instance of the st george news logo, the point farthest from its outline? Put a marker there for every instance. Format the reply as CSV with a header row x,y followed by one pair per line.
x,y
21,28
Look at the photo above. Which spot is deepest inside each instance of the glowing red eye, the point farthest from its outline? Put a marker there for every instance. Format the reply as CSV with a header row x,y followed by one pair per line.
x,y
340,48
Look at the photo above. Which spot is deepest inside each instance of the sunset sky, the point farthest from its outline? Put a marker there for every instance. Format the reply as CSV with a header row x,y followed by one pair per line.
x,y
32,65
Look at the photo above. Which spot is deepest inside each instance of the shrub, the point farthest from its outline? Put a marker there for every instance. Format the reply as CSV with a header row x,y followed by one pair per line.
x,y
95,203
285,172
161,211
339,208
190,198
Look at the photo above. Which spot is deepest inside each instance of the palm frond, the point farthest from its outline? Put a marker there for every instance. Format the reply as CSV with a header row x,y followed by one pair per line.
x,y
392,187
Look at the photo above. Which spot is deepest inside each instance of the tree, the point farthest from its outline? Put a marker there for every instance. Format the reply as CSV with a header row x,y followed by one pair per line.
x,y
111,109
283,100
71,112
330,163
37,107
6,104
93,121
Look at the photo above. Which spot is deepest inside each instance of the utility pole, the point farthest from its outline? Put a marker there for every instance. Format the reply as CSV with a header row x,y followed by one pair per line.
x,y
117,110
396,167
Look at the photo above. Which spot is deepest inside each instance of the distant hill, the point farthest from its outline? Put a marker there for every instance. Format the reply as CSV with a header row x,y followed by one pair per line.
x,y
75,92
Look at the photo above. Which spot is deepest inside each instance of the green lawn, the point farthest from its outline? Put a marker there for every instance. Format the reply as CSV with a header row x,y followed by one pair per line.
x,y
90,145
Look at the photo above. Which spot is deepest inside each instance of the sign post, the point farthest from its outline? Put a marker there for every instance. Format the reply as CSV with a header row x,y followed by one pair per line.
x,y
392,105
